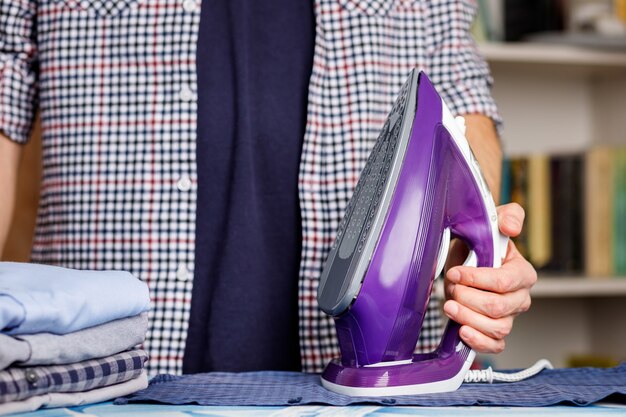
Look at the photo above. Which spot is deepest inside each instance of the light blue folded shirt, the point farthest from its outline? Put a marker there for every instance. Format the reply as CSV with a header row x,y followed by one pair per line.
x,y
41,298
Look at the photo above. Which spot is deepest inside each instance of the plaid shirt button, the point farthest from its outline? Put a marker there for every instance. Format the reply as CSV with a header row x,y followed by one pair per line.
x,y
186,94
31,376
184,183
182,273
190,5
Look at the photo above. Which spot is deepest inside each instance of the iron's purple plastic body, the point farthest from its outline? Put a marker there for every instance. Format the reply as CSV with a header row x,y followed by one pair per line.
x,y
435,190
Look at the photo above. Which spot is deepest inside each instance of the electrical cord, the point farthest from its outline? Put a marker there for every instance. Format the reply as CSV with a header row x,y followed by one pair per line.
x,y
488,375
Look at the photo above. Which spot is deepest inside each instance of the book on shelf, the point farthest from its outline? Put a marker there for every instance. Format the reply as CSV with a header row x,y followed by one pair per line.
x,y
539,222
599,196
494,18
566,172
480,30
575,210
513,20
518,193
619,214
620,10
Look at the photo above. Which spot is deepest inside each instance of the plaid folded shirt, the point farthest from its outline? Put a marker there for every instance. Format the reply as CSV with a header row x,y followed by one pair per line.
x,y
18,383
115,82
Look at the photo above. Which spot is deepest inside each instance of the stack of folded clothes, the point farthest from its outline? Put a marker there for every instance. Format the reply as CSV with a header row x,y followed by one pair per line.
x,y
69,337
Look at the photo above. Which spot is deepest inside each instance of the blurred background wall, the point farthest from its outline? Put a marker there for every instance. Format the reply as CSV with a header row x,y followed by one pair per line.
x,y
21,234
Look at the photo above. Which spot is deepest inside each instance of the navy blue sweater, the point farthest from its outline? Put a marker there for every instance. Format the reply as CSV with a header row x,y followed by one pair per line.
x,y
254,62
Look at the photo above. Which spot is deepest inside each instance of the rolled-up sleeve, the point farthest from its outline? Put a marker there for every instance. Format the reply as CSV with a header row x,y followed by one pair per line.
x,y
456,66
18,68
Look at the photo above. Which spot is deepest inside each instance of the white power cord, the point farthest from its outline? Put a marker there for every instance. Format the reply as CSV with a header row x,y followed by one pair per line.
x,y
488,375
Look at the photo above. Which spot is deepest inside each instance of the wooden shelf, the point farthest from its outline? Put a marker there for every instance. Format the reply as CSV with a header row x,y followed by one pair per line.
x,y
559,287
570,287
563,57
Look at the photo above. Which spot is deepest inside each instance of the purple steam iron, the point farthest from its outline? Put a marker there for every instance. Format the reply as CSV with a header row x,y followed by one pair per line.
x,y
421,186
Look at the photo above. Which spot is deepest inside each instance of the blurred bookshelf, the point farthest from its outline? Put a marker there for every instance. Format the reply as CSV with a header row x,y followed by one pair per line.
x,y
539,56
561,91
562,100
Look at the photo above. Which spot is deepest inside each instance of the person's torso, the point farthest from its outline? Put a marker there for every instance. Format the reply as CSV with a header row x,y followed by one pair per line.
x,y
118,103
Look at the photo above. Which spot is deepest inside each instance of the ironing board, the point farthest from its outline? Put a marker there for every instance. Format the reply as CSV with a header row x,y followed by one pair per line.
x,y
142,410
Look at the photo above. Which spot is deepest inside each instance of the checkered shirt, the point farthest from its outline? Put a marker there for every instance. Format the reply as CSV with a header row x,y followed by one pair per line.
x,y
20,383
363,53
116,83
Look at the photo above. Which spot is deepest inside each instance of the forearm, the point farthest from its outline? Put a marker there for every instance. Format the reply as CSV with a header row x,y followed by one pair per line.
x,y
483,138
10,155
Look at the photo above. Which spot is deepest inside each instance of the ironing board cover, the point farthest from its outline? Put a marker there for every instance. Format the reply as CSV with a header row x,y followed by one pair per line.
x,y
576,386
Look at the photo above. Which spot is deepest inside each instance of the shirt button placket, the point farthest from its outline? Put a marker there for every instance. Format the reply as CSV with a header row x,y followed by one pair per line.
x,y
184,183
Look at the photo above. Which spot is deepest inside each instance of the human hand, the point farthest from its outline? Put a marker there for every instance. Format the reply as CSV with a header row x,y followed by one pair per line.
x,y
484,301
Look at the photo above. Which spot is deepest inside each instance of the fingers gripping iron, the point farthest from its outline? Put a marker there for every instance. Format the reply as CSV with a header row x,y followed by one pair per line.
x,y
420,186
